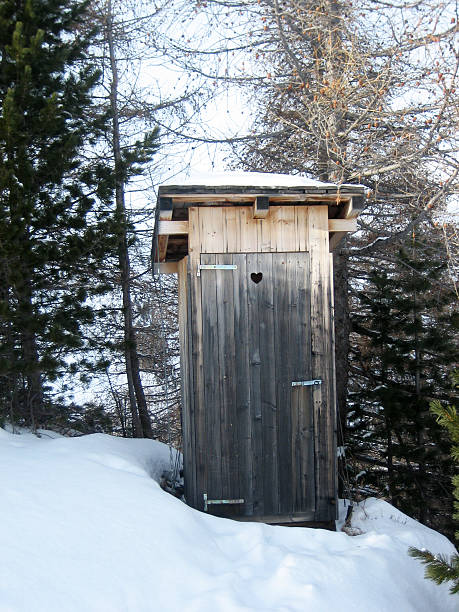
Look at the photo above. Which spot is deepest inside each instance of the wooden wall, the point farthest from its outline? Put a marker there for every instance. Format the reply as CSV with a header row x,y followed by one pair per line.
x,y
214,230
234,230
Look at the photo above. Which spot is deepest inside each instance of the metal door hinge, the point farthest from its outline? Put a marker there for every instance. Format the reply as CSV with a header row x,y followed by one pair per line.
x,y
215,267
306,383
208,502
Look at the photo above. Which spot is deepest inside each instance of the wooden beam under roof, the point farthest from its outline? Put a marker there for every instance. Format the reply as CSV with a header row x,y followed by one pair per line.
x,y
165,209
167,267
342,225
172,227
351,211
242,198
162,247
261,207
167,228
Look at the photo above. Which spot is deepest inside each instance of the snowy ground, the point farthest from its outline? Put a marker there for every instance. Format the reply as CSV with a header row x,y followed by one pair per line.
x,y
85,527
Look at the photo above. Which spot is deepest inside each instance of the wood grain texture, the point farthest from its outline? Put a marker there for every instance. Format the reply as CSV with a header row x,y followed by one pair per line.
x,y
302,397
172,227
162,247
225,280
234,230
333,407
169,267
211,444
255,386
211,230
322,364
283,382
252,434
266,315
261,207
165,208
342,225
186,381
196,375
243,400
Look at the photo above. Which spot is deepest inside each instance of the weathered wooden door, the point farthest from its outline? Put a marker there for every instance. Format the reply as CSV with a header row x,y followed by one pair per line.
x,y
256,342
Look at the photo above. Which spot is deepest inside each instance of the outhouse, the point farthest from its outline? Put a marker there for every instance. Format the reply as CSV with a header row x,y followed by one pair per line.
x,y
252,253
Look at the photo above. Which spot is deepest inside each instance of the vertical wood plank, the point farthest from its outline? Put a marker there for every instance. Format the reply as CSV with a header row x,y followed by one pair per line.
x,y
248,230
255,387
226,375
211,229
185,376
212,390
287,229
259,229
295,476
268,382
194,238
242,374
324,408
298,373
283,380
265,244
231,235
191,381
301,228
275,217
333,459
295,371
196,372
303,403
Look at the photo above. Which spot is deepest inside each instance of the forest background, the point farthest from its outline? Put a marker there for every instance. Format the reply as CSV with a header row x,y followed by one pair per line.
x,y
102,101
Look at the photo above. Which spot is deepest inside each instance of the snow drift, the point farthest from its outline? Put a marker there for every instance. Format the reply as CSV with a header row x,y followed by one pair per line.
x,y
85,527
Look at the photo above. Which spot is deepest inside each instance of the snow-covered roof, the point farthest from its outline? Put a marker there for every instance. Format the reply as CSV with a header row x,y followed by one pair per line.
x,y
246,179
249,179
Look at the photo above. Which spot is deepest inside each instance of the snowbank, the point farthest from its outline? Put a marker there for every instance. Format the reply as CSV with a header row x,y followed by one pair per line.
x,y
84,526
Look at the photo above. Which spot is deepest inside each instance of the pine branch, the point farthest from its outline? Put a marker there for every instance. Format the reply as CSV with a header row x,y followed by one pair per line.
x,y
439,568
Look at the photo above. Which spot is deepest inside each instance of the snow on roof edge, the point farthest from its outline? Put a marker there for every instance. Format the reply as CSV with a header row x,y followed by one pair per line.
x,y
249,179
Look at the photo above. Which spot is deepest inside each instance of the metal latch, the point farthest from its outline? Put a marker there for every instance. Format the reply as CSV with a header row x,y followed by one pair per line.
x,y
306,383
215,267
208,502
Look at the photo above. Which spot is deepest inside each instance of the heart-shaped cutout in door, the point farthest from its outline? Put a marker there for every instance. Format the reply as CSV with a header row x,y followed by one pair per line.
x,y
256,277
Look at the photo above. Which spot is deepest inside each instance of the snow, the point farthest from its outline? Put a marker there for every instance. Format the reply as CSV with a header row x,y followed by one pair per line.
x,y
85,527
249,179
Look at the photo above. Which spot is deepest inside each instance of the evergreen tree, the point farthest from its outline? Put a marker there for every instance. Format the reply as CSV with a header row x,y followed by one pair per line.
x,y
404,343
440,569
54,226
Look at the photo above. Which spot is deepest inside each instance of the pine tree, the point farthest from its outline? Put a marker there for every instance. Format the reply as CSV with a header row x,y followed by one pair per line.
x,y
439,568
55,229
404,343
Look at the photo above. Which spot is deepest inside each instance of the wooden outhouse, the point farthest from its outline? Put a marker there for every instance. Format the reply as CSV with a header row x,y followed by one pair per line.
x,y
252,253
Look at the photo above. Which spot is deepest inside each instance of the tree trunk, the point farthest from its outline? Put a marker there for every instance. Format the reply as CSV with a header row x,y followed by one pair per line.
x,y
32,396
33,399
140,418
